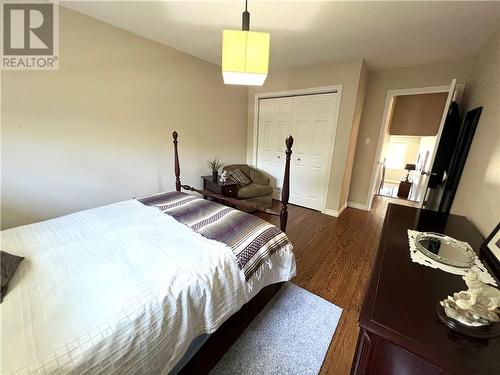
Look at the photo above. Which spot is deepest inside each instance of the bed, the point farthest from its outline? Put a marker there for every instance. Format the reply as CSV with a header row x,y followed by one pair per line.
x,y
135,286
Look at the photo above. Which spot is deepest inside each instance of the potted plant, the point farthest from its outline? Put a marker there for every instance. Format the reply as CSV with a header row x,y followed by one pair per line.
x,y
215,165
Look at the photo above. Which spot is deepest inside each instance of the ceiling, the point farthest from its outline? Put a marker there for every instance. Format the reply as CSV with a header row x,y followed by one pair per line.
x,y
386,34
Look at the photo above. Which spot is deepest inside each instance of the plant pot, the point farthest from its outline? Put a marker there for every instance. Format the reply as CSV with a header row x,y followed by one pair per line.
x,y
215,176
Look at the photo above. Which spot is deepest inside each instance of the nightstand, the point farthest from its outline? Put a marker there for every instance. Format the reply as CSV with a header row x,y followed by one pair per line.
x,y
227,189
404,189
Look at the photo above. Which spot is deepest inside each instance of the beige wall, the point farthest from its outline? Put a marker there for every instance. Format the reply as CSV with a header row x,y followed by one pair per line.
x,y
417,115
478,195
99,130
347,74
351,150
379,82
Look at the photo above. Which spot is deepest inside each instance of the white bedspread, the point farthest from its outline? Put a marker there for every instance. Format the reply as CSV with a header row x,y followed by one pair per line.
x,y
117,289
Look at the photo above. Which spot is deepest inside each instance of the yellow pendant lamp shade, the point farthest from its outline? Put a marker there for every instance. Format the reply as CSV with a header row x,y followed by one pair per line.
x,y
245,57
245,54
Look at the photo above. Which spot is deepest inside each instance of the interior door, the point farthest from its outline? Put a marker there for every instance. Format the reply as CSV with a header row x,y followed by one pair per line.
x,y
381,164
421,167
381,176
312,128
425,174
275,116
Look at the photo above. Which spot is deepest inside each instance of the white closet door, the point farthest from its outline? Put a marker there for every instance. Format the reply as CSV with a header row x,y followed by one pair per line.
x,y
275,116
309,119
312,129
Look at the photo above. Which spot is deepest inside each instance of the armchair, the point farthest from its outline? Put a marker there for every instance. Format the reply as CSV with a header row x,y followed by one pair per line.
x,y
259,191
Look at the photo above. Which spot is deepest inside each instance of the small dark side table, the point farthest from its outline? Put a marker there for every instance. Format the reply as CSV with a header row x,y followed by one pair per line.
x,y
228,189
404,189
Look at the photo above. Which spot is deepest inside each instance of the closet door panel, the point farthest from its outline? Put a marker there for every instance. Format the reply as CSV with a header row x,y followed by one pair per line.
x,y
297,179
319,146
265,144
314,192
312,127
279,141
275,117
277,174
300,132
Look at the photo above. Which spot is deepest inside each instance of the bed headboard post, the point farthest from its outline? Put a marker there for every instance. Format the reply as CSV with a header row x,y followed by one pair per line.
x,y
285,192
177,168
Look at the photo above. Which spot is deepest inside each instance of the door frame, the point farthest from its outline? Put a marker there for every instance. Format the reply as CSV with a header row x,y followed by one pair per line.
x,y
389,103
334,89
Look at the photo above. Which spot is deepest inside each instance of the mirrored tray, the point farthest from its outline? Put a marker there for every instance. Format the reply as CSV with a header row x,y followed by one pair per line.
x,y
445,249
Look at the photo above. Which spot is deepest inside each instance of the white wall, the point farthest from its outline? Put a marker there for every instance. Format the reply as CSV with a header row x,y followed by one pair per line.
x,y
99,130
478,195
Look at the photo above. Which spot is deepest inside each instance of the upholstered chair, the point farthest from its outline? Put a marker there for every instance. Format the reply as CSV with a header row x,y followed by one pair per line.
x,y
259,190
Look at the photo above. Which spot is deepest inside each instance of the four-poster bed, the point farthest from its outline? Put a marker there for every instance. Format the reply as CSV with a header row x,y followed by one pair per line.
x,y
152,285
285,192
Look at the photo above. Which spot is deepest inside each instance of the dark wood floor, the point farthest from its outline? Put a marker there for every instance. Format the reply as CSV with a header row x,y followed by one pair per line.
x,y
334,260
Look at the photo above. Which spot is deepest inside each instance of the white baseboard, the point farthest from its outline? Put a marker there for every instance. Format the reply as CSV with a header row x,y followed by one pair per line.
x,y
359,206
329,212
334,213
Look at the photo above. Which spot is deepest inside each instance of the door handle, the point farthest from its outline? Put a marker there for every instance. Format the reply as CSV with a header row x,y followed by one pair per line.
x,y
298,159
279,157
428,173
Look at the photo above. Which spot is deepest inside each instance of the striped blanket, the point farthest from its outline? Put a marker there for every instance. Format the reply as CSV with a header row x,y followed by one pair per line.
x,y
251,239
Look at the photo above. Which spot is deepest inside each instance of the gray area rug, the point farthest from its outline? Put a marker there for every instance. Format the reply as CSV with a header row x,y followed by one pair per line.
x,y
291,335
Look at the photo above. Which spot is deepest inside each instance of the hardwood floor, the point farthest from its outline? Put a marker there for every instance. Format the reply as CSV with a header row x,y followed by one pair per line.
x,y
334,260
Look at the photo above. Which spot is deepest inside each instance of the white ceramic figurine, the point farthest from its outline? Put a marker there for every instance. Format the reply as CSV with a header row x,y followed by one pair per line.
x,y
476,306
223,177
479,292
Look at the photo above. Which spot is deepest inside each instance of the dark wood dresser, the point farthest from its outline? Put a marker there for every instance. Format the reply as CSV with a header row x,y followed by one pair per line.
x,y
399,330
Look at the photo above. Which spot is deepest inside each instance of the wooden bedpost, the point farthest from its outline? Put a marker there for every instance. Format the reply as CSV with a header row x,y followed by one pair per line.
x,y
285,192
177,168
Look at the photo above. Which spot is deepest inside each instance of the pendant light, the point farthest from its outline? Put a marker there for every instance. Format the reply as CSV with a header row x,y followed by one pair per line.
x,y
245,54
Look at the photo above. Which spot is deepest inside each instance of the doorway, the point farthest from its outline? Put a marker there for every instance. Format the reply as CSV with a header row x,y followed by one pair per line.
x,y
411,129
405,157
409,143
311,118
